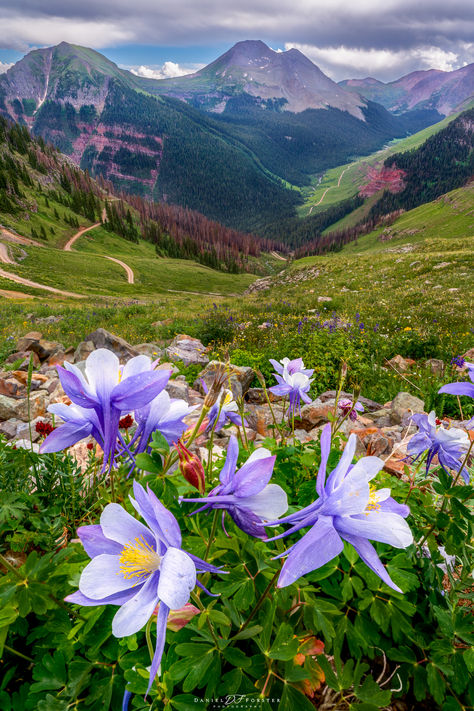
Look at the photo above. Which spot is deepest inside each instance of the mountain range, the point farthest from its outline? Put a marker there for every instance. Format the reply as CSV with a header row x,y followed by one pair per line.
x,y
234,140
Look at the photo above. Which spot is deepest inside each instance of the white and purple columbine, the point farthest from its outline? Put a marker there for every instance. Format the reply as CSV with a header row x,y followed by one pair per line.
x,y
107,391
348,409
246,494
348,508
164,414
294,381
448,444
137,566
466,388
224,410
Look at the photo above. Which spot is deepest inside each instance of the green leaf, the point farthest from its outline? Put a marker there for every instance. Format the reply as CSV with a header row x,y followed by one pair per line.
x,y
370,692
197,674
237,658
147,463
292,699
50,673
285,645
436,683
159,443
191,649
402,654
249,632
184,702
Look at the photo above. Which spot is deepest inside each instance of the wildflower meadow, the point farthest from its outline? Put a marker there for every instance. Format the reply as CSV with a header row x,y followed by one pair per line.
x,y
279,574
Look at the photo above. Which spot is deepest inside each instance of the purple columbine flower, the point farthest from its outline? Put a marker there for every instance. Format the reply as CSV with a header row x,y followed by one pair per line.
x,y
246,494
465,388
137,566
78,424
295,385
346,408
110,390
449,445
347,508
291,366
224,410
164,414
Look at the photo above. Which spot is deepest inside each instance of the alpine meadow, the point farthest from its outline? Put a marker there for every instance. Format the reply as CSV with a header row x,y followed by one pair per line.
x,y
236,356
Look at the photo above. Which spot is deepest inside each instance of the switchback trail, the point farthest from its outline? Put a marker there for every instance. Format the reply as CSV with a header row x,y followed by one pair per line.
x,y
69,243
327,190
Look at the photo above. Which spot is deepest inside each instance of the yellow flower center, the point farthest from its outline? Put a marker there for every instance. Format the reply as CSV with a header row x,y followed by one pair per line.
x,y
138,559
373,504
227,398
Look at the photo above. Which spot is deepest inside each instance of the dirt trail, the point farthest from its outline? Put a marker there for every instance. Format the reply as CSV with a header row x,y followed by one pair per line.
x,y
12,237
9,294
4,256
130,275
327,190
35,285
69,243
278,256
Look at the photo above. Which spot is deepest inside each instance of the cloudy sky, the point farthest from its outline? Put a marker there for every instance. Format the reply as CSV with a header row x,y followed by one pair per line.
x,y
345,38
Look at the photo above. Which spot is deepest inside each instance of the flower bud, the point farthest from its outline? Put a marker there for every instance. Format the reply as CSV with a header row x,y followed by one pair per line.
x,y
191,468
177,619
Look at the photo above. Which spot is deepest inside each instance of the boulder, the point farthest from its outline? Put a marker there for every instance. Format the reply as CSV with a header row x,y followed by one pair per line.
x,y
238,377
167,366
28,339
8,408
314,414
188,350
405,404
259,418
469,355
9,428
38,403
83,351
11,387
150,349
400,363
34,342
435,365
257,395
178,388
24,358
104,339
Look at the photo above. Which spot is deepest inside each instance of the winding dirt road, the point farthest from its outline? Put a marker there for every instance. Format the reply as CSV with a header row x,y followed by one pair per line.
x,y
4,256
69,243
129,271
35,285
327,190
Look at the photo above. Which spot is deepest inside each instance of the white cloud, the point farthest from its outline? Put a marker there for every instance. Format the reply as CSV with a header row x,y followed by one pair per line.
x,y
356,62
5,66
22,32
167,70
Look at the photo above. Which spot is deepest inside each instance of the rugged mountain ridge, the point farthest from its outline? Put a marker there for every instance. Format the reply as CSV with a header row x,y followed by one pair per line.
x,y
431,89
233,166
287,80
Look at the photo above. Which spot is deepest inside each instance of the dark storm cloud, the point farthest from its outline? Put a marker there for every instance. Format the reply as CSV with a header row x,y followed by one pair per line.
x,y
407,31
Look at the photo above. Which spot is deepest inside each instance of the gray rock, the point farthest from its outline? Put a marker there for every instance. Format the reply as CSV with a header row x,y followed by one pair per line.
x,y
238,377
9,428
188,350
104,339
435,365
150,349
27,444
178,389
8,408
38,403
405,404
83,351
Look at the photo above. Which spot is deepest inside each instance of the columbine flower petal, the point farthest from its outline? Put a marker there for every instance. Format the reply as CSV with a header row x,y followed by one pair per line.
x,y
177,578
120,526
136,612
102,577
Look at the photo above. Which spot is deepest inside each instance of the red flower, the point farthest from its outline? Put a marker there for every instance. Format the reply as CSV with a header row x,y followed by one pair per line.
x,y
44,428
90,445
126,422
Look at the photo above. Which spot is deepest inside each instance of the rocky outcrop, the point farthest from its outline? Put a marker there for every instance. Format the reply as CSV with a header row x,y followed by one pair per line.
x,y
188,350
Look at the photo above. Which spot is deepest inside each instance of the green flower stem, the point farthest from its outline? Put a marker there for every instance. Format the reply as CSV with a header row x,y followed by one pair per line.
x,y
212,535
271,409
195,598
18,654
149,644
259,603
